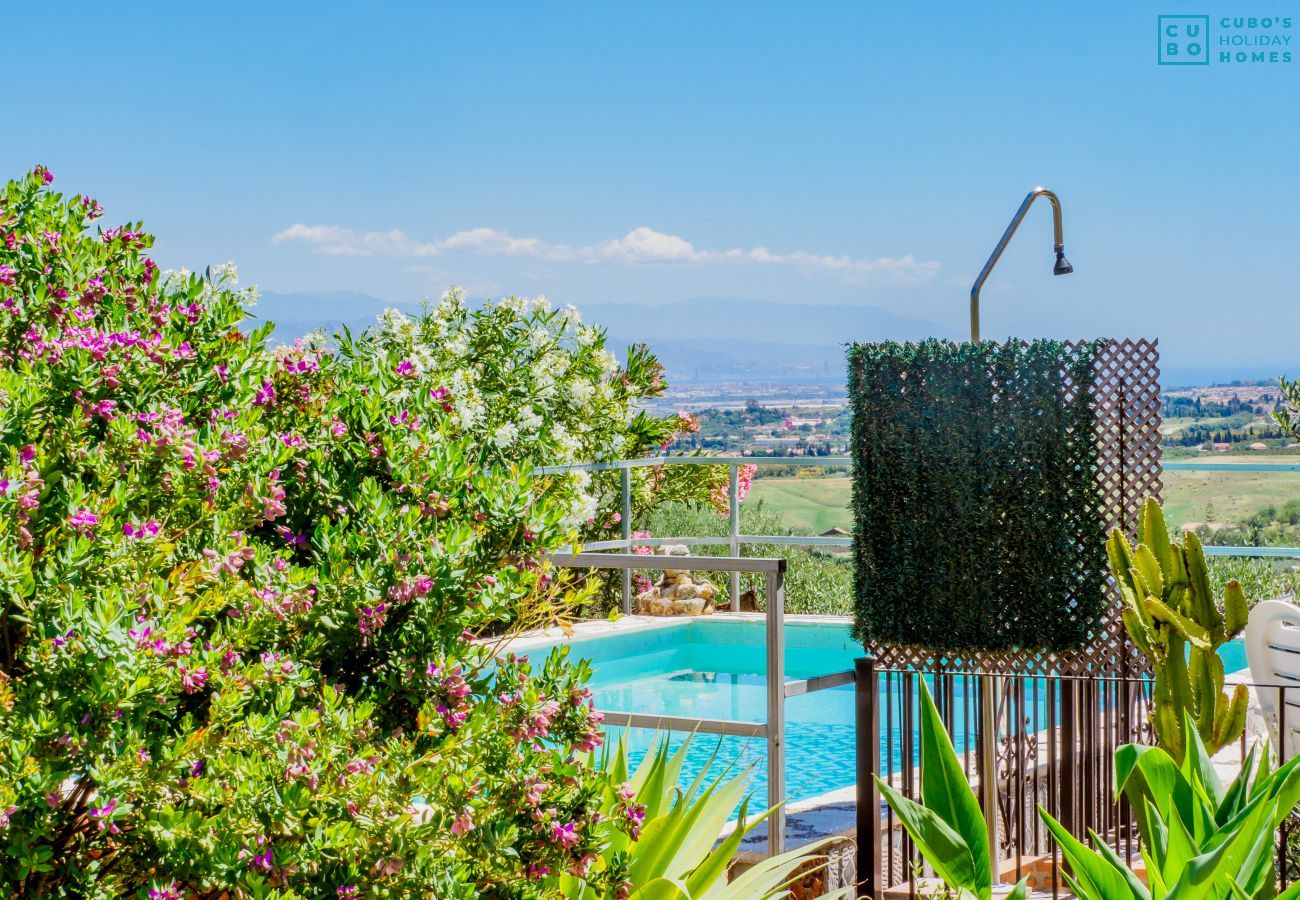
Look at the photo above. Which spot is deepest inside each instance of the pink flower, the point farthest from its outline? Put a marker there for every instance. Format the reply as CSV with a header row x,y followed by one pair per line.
x,y
463,823
265,394
103,813
84,521
135,532
6,275
406,369
348,892
565,835
170,892
193,682
371,618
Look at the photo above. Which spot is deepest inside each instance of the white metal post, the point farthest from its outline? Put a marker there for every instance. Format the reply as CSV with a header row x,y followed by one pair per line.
x,y
775,584
627,538
733,508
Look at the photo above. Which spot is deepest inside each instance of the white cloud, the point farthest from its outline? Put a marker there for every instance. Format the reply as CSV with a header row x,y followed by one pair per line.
x,y
639,246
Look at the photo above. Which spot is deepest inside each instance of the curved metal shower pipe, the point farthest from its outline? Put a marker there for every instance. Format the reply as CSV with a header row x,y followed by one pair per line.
x,y
1061,268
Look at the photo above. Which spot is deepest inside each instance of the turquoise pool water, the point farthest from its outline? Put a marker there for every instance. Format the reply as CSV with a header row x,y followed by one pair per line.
x,y
714,669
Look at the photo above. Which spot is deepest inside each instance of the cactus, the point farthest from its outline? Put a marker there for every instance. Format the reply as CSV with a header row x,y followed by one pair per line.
x,y
1167,610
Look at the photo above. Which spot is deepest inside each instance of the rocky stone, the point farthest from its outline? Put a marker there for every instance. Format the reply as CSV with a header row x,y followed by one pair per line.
x,y
677,592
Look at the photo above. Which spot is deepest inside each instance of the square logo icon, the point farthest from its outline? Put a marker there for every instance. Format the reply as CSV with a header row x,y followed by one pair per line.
x,y
1184,41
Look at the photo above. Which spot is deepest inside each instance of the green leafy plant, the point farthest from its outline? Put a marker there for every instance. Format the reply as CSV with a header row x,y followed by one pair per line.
x,y
251,595
1173,618
1198,837
676,854
947,826
976,501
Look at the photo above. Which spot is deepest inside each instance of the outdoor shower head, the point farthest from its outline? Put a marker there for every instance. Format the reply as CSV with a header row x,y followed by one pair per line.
x,y
1062,266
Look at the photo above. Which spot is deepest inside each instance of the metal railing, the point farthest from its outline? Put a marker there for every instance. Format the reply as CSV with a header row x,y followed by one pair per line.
x,y
1086,716
1037,740
734,539
772,730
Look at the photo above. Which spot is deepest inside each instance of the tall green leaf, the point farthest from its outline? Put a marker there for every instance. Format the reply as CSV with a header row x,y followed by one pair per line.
x,y
945,790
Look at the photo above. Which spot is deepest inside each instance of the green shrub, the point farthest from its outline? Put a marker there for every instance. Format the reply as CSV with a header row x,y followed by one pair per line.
x,y
248,594
977,517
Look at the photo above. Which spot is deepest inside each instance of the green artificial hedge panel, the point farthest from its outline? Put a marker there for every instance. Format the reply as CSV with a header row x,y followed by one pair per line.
x,y
978,521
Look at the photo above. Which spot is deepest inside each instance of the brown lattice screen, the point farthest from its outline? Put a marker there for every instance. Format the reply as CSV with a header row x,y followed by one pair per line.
x,y
1126,377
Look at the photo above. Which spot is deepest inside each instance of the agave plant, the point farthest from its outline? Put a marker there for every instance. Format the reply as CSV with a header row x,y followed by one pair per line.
x,y
678,855
1199,839
947,826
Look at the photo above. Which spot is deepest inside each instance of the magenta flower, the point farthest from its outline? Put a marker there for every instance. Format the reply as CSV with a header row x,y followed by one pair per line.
x,y
192,682
565,835
102,813
348,892
6,275
265,394
83,520
263,862
406,369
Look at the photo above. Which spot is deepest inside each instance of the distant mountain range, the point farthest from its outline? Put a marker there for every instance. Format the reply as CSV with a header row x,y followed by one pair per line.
x,y
708,339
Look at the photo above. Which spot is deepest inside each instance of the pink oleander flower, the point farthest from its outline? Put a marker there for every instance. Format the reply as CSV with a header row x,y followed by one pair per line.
x,y
643,549
168,892
406,369
6,275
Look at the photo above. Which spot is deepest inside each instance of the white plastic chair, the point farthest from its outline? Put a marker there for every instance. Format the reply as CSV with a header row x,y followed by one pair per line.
x,y
1273,651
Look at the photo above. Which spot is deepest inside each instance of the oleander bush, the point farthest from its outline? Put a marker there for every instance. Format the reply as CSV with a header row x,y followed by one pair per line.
x,y
250,596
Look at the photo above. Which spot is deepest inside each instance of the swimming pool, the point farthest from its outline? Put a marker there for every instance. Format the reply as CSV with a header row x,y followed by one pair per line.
x,y
713,668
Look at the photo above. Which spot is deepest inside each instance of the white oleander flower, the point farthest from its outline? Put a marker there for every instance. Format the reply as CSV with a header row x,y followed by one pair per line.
x,y
581,391
539,304
505,435
224,272
607,361
456,345
587,335
570,317
529,421
395,324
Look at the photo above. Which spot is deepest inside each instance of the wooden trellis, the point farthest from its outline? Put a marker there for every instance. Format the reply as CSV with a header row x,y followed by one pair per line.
x,y
1126,386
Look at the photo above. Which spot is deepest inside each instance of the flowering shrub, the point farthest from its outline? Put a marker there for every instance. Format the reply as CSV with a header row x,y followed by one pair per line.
x,y
247,595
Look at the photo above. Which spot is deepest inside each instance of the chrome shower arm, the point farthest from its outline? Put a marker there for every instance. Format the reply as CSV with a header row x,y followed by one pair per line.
x,y
1057,231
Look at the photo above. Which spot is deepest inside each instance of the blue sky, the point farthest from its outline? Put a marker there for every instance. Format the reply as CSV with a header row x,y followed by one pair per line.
x,y
859,153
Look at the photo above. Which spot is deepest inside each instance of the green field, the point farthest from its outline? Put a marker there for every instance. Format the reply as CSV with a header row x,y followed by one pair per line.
x,y
1234,495
807,505
814,505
